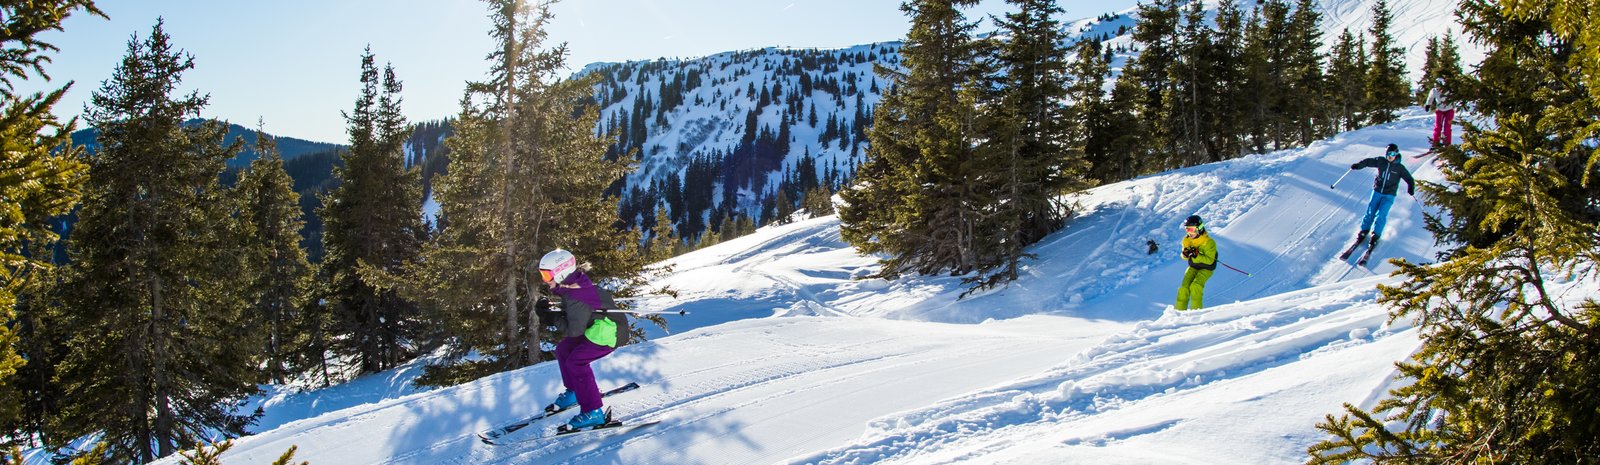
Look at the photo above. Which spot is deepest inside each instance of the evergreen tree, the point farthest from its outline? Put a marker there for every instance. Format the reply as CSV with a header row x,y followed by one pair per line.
x,y
1346,74
1151,71
155,291
1192,95
1126,130
663,240
1386,89
912,198
818,201
1028,155
279,274
373,219
41,177
528,175
1226,106
1267,56
1303,115
1443,62
1088,72
1507,365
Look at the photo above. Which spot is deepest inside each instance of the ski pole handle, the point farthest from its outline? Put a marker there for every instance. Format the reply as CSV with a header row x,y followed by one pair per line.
x,y
1336,181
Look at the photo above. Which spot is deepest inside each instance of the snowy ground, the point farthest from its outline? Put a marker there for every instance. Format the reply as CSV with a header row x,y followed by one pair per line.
x,y
785,358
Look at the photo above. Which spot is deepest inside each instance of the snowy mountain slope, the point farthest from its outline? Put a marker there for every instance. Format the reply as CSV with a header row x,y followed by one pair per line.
x,y
1272,214
759,115
1077,362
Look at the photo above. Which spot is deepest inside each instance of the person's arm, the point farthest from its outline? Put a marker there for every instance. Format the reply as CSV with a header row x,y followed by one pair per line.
x,y
578,316
1366,163
1411,184
1208,252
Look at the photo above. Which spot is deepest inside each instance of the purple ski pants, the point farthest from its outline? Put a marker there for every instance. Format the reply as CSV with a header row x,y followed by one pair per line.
x,y
573,355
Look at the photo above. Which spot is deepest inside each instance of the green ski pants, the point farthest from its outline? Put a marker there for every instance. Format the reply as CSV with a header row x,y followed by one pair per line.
x,y
1193,289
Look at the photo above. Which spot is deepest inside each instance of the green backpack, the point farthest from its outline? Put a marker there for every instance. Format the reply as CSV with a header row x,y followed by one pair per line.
x,y
602,331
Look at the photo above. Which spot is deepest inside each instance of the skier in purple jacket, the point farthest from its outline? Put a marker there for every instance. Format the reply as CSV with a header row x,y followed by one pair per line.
x,y
588,333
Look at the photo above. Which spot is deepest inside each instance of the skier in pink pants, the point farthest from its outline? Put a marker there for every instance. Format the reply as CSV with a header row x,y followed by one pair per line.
x,y
1444,112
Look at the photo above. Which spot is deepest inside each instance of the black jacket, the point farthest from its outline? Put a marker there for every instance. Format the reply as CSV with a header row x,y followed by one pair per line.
x,y
1389,175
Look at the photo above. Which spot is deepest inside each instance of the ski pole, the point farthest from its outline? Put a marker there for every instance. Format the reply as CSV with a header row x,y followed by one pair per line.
x,y
652,312
1336,181
1234,269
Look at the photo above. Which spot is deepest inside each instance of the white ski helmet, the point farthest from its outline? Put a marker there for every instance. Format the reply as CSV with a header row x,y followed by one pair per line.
x,y
557,265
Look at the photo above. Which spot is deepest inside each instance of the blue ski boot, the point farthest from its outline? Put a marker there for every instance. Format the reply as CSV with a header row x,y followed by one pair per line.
x,y
566,400
587,420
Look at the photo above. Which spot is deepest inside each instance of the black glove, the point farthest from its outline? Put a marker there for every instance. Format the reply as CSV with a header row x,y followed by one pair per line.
x,y
1191,252
542,309
1355,166
1411,191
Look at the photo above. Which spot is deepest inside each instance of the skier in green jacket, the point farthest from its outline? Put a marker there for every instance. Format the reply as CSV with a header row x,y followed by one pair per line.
x,y
1201,253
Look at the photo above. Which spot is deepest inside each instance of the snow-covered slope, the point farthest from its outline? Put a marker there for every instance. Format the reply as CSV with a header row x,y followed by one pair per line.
x,y
785,359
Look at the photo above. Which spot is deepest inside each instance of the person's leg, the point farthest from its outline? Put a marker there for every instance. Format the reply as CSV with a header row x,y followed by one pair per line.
x,y
1449,118
563,353
1372,211
1197,289
576,365
1440,124
1183,289
1382,211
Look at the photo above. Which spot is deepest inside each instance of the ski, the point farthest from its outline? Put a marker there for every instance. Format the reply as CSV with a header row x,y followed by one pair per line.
x,y
1352,249
1423,154
613,427
1364,257
502,430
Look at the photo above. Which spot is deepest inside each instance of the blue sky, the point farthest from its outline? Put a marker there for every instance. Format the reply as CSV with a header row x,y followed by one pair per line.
x,y
294,63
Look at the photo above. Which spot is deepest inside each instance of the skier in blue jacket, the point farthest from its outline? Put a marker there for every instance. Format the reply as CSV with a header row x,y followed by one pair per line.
x,y
1384,189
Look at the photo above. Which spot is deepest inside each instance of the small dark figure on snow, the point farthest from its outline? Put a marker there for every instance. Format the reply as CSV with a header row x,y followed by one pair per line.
x,y
1384,188
589,333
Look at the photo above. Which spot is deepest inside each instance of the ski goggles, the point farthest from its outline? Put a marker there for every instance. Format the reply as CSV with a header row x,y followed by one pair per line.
x,y
1392,154
546,276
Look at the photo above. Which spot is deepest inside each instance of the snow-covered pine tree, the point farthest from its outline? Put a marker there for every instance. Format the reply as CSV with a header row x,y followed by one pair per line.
x,y
1386,90
155,291
1507,365
372,219
279,276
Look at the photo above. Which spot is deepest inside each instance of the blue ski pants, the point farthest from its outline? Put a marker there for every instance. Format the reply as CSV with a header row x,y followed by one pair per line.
x,y
1377,213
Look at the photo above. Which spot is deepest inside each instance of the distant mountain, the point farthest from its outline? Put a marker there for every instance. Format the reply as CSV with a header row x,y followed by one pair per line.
x,y
289,147
725,134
